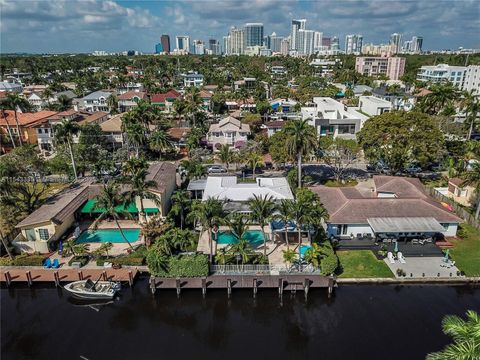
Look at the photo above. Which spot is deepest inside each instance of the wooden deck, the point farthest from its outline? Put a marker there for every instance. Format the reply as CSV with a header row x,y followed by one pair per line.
x,y
34,274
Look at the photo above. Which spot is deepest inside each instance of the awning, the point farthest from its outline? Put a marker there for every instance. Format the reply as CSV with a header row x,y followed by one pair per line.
x,y
151,210
89,208
405,225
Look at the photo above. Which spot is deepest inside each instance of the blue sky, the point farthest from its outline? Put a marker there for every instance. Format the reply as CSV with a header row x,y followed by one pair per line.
x,y
87,25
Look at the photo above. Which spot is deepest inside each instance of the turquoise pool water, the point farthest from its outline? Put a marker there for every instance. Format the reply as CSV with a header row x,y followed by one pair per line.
x,y
108,235
303,249
254,237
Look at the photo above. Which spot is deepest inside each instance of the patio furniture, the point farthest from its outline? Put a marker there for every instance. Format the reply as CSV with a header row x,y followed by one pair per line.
x,y
359,236
47,263
55,264
76,265
401,258
390,258
414,241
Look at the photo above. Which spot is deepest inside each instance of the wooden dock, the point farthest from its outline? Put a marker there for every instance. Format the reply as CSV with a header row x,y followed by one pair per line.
x,y
252,282
57,276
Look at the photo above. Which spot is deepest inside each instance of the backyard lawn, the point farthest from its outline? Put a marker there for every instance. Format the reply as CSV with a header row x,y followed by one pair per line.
x,y
466,252
361,264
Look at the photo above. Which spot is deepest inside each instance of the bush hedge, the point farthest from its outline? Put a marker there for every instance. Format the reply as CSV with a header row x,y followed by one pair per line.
x,y
23,260
329,260
83,260
179,266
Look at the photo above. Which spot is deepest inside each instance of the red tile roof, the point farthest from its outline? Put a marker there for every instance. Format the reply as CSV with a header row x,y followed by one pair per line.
x,y
160,98
131,94
25,119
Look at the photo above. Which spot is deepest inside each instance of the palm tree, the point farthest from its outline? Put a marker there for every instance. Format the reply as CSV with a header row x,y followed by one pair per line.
x,y
133,165
180,204
466,337
46,96
226,155
237,222
472,177
112,103
471,105
105,248
262,209
254,160
136,136
284,214
63,102
301,140
153,229
192,103
15,102
111,203
141,188
64,132
312,255
209,213
244,249
160,142
289,256
9,130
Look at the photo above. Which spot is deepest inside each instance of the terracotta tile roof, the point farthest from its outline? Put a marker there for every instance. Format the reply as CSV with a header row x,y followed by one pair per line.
x,y
94,117
456,181
25,119
402,187
162,173
277,124
205,94
114,124
178,133
160,98
131,94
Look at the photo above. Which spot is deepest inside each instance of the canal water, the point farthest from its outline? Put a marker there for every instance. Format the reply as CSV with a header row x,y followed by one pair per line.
x,y
358,322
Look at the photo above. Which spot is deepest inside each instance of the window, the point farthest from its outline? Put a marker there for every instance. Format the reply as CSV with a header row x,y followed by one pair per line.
x,y
346,129
44,235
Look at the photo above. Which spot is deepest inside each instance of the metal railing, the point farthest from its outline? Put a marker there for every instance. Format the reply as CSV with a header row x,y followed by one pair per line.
x,y
270,269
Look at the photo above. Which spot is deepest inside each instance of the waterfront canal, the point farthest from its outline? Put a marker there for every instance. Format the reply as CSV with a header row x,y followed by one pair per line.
x,y
358,322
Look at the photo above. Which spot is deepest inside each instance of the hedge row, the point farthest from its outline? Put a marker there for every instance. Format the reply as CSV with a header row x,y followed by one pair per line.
x,y
179,266
128,260
23,260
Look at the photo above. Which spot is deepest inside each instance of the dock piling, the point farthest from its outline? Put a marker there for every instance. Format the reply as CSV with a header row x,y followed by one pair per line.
x,y
306,287
130,278
280,287
177,285
56,278
229,287
153,287
104,274
80,275
255,288
8,280
29,278
330,286
204,287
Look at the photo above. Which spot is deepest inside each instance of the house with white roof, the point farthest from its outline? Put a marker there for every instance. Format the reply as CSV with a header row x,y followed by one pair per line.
x,y
236,195
229,131
331,117
372,105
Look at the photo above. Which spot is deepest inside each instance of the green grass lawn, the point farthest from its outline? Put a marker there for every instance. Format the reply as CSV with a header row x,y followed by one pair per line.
x,y
361,264
466,252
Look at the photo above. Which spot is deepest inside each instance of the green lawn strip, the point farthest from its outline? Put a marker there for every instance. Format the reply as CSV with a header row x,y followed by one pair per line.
x,y
466,251
361,264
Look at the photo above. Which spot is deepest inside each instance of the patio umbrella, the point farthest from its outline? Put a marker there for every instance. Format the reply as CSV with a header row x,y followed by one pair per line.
x,y
396,246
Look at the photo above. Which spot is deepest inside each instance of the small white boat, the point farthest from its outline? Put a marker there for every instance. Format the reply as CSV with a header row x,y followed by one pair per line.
x,y
87,289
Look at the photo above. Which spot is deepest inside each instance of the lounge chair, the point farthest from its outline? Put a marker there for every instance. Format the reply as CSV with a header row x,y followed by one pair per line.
x,y
401,258
47,263
55,264
390,258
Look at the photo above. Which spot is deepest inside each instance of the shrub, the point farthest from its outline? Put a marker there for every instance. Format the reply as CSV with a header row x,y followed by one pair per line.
x,y
178,266
329,260
23,260
83,260
128,260
5,261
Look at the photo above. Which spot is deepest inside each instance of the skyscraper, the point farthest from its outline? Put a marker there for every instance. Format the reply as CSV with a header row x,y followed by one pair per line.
x,y
237,41
417,42
296,25
274,42
305,43
353,44
334,43
253,34
198,47
396,42
226,45
165,41
284,46
317,41
214,46
158,48
182,43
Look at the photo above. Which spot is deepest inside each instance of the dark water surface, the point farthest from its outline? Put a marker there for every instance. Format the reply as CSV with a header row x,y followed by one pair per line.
x,y
359,322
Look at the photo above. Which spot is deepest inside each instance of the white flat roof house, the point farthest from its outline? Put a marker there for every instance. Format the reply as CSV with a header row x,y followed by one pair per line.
x,y
331,117
236,194
372,105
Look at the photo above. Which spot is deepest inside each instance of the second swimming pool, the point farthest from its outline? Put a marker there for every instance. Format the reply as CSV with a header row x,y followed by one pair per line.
x,y
108,235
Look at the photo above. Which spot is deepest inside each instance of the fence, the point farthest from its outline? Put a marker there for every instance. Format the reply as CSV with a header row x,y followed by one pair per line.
x,y
262,269
459,210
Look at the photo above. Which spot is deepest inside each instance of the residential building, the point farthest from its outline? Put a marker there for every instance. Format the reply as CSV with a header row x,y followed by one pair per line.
x,y
236,41
182,44
205,97
113,129
11,87
334,43
442,73
317,42
396,42
284,46
391,67
214,47
254,34
198,47
69,94
459,192
324,67
193,79
400,99
372,105
294,35
383,50
130,86
390,206
36,100
274,42
306,39
283,105
278,70
331,117
272,127
228,131
165,41
246,82
472,79
96,101
413,46
129,100
178,138
353,44
165,100
158,48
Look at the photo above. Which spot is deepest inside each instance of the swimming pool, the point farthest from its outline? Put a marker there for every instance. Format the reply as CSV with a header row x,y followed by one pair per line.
x,y
254,237
108,235
303,250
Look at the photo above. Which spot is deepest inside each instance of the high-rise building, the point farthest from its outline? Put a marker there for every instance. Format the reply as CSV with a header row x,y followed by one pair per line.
x,y
158,48
472,79
182,43
392,67
326,41
317,41
417,42
236,41
353,44
165,41
253,34
198,47
334,43
284,46
226,45
396,42
305,42
274,42
296,26
214,46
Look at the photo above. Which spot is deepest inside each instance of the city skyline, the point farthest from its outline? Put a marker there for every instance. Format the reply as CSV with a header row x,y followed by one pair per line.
x,y
73,26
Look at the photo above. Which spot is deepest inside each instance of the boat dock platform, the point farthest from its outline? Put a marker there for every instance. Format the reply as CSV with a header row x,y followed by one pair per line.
x,y
253,282
57,276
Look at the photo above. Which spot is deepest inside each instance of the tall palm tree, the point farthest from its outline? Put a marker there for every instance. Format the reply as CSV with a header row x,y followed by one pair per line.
x,y
254,160
141,188
466,337
133,165
63,132
63,102
14,102
471,106
136,136
226,155
111,203
472,177
301,140
9,129
181,202
262,209
441,95
284,214
238,224
192,103
244,249
208,213
159,141
112,103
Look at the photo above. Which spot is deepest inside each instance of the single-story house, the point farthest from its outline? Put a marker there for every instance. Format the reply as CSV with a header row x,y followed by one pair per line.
x,y
372,105
392,206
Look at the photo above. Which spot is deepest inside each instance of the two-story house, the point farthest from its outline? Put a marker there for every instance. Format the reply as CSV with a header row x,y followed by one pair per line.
x,y
229,131
129,100
165,100
96,101
193,79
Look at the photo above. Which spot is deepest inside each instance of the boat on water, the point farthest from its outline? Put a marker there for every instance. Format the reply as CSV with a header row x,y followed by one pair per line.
x,y
87,289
